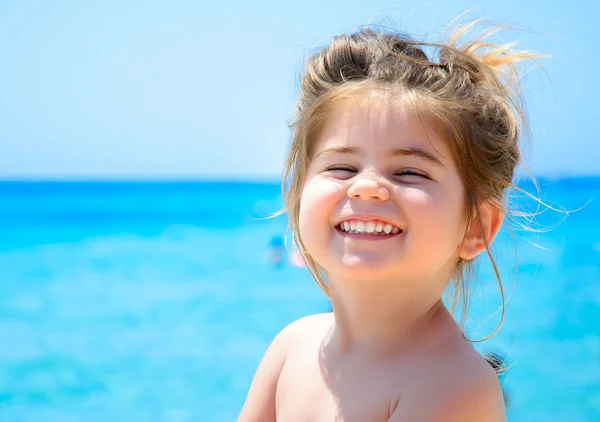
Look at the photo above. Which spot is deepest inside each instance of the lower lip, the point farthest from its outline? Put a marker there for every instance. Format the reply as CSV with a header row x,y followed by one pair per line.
x,y
367,236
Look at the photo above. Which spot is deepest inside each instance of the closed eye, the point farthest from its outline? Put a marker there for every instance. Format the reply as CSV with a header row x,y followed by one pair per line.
x,y
341,168
407,172
412,173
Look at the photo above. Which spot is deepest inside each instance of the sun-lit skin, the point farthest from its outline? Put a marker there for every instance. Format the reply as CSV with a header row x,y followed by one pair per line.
x,y
390,348
394,182
353,176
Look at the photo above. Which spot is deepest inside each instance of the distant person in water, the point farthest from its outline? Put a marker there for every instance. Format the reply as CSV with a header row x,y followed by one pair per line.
x,y
276,252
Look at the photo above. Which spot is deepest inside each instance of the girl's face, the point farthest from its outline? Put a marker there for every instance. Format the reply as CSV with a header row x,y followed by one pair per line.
x,y
384,172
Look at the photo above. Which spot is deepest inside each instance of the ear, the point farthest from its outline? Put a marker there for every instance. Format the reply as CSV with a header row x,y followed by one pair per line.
x,y
484,226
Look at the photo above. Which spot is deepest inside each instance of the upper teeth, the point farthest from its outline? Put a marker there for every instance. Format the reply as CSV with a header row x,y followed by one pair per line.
x,y
357,226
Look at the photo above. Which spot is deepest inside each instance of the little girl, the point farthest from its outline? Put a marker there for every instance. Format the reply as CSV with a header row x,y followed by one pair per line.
x,y
401,155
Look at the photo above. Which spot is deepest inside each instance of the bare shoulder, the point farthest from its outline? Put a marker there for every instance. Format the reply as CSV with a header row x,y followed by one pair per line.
x,y
459,385
260,401
303,329
311,325
305,335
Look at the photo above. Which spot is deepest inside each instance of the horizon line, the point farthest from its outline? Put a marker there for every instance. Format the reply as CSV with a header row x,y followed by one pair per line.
x,y
230,179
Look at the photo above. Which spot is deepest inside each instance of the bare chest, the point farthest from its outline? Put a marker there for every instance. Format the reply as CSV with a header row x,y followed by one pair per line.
x,y
310,391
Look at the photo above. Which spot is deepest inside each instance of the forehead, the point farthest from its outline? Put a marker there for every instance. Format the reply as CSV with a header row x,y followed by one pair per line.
x,y
380,121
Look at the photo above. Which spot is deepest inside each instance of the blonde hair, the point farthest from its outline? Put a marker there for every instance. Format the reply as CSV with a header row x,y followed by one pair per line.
x,y
471,88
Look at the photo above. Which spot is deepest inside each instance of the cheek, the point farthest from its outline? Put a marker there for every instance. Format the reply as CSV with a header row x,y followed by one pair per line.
x,y
437,212
423,203
319,197
317,203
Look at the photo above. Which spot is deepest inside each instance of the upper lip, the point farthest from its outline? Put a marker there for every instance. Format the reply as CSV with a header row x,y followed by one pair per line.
x,y
367,217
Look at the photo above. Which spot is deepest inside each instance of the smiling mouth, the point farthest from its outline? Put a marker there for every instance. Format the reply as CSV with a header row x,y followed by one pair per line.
x,y
367,236
368,228
367,231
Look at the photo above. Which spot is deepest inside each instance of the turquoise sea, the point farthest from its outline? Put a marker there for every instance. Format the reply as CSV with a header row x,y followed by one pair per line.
x,y
155,301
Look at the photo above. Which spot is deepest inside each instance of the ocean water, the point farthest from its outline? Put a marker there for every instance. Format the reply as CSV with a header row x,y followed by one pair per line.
x,y
155,301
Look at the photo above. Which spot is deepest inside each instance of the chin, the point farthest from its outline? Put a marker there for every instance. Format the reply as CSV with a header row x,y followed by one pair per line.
x,y
365,269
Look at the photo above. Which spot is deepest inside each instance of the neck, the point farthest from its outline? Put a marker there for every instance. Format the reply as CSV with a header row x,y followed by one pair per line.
x,y
372,318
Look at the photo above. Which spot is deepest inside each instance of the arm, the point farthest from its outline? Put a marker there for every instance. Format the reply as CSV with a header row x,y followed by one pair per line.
x,y
260,402
474,397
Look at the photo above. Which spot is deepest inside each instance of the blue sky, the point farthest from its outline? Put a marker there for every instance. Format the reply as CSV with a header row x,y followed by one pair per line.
x,y
197,90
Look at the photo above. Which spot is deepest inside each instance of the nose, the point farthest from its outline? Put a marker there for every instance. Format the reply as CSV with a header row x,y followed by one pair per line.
x,y
368,187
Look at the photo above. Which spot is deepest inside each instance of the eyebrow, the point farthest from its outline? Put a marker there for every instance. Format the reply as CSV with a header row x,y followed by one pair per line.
x,y
396,152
